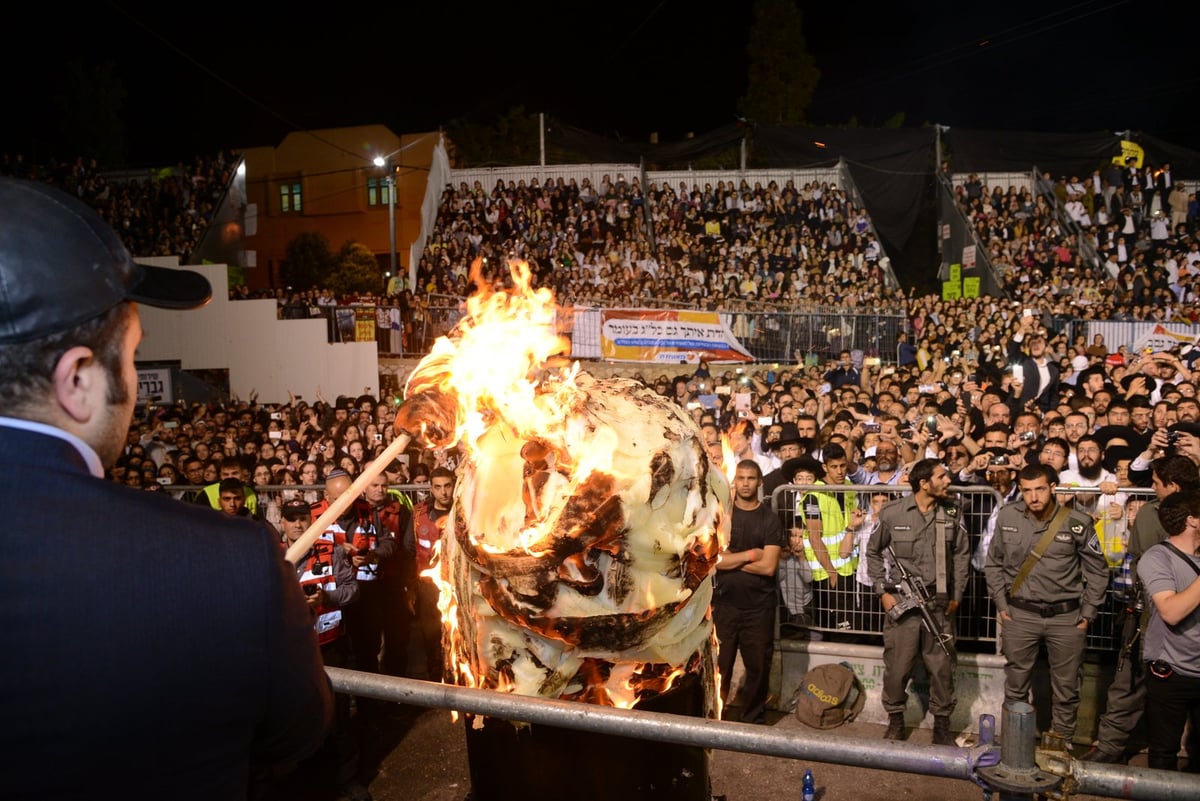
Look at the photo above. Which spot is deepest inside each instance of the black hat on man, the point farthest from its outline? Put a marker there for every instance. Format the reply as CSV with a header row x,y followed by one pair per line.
x,y
805,462
789,434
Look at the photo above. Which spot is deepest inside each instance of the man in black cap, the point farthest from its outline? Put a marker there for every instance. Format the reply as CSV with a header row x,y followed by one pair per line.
x,y
201,664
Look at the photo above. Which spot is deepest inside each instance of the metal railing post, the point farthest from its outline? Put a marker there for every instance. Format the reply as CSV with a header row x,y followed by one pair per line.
x,y
1018,775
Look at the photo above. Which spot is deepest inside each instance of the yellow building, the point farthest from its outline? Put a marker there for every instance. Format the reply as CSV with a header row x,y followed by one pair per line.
x,y
326,181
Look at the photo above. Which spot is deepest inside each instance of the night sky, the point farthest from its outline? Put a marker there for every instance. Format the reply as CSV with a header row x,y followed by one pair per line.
x,y
197,81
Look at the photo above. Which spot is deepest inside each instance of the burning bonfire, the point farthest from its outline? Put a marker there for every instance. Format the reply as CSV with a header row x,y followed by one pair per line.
x,y
587,519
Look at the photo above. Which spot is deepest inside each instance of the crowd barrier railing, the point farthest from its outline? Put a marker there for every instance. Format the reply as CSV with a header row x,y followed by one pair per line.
x,y
852,607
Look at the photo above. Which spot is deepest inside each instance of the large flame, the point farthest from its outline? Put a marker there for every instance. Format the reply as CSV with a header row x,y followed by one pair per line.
x,y
576,562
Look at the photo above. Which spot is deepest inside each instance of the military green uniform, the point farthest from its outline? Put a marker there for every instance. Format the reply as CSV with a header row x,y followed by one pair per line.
x,y
1067,585
912,536
1126,702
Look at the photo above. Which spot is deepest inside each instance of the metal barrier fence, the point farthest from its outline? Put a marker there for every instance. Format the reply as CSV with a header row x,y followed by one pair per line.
x,y
977,765
771,332
852,607
779,334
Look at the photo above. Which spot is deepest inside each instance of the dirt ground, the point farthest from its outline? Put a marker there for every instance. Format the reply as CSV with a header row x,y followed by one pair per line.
x,y
421,754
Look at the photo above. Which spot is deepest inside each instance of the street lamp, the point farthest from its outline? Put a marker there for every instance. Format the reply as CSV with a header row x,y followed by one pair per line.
x,y
380,161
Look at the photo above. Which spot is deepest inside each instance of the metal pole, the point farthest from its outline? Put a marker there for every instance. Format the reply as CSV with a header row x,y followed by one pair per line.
x,y
1018,775
1114,781
392,217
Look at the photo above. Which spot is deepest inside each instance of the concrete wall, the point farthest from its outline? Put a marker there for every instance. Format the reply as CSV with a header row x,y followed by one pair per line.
x,y
260,351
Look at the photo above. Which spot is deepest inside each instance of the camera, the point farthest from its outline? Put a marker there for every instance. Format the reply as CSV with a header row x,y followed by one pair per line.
x,y
931,424
310,589
870,428
1027,436
1172,439
276,416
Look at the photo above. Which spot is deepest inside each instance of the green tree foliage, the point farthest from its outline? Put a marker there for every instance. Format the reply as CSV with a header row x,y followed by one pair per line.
x,y
781,75
307,260
356,271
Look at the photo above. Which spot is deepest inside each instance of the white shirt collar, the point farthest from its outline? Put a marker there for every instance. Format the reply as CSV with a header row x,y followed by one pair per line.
x,y
85,450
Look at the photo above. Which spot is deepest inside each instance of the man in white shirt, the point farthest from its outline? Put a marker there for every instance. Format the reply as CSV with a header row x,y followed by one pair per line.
x,y
1090,473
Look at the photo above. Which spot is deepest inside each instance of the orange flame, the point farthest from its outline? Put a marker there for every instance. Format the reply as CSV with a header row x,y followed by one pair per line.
x,y
587,517
729,458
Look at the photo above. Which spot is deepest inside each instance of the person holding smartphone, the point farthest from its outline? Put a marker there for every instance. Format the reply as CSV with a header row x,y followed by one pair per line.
x,y
1035,373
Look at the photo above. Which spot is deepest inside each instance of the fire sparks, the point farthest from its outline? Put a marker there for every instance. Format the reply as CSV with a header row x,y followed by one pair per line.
x,y
576,561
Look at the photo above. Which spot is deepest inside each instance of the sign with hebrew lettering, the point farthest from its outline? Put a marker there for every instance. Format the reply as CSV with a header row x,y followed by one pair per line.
x,y
154,383
668,337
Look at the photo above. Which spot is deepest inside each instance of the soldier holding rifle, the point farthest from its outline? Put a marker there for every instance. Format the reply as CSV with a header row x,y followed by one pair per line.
x,y
922,537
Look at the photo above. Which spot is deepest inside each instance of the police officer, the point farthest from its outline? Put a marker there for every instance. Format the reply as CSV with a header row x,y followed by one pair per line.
x,y
1051,599
920,529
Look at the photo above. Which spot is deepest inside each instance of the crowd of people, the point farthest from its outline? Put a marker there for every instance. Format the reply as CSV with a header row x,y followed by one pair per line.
x,y
163,212
1097,443
1118,245
1102,436
736,247
982,393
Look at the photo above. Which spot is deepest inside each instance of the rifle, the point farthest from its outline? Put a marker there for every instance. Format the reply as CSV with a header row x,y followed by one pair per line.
x,y
914,595
1135,620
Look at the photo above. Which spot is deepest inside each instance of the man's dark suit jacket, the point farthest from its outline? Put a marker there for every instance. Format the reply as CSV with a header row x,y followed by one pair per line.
x,y
1033,379
153,649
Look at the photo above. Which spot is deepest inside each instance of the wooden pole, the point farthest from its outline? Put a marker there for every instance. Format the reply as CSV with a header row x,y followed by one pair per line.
x,y
300,547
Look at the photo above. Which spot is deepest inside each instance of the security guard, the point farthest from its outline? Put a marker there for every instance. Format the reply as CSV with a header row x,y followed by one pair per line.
x,y
921,530
1047,576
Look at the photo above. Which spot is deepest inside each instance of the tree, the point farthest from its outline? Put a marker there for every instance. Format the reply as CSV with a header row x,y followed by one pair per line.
x,y
356,271
307,261
781,74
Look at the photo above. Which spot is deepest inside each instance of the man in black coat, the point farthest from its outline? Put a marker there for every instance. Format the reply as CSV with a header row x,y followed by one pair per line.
x,y
153,649
1036,373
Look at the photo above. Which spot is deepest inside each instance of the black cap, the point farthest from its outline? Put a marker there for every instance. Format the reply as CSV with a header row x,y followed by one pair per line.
x,y
62,265
296,509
